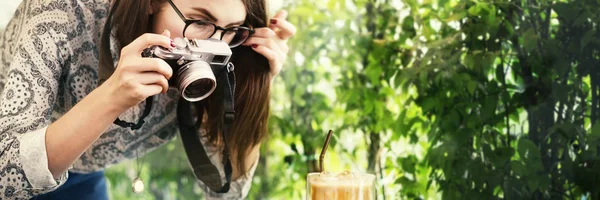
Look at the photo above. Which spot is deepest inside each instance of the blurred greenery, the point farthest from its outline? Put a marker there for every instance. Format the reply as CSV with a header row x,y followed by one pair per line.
x,y
441,99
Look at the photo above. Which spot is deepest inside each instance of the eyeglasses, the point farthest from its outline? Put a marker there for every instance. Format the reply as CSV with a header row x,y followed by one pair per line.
x,y
202,29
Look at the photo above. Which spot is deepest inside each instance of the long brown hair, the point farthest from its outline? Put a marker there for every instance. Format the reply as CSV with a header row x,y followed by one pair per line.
x,y
251,70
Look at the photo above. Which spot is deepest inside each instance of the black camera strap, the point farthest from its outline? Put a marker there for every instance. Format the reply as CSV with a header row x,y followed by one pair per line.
x,y
138,125
194,149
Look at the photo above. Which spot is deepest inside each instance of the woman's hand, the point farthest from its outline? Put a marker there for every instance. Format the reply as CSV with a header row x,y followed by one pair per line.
x,y
137,78
271,42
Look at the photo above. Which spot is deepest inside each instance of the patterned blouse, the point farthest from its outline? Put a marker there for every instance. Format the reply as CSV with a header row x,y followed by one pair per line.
x,y
48,63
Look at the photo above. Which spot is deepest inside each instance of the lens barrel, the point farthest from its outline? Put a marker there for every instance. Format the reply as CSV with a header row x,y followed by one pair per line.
x,y
196,81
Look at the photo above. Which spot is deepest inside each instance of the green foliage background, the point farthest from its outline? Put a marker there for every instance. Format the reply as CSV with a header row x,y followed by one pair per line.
x,y
441,99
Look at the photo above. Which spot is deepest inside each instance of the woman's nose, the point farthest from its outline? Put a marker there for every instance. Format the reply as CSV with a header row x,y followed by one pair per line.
x,y
217,35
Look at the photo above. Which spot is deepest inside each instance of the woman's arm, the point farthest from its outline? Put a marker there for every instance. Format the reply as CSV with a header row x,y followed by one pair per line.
x,y
36,152
134,80
68,137
30,90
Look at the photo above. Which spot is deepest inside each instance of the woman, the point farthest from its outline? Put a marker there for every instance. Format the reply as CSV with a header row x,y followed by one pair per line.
x,y
57,110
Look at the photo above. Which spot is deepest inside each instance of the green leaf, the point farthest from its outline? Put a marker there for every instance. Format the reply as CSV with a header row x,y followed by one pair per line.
x,y
565,11
428,104
544,182
398,80
529,153
408,25
405,182
585,40
412,3
457,16
567,130
474,10
500,73
567,168
518,168
582,18
533,182
595,132
509,28
332,5
514,117
487,150
408,163
530,40
489,107
561,66
368,107
560,92
451,120
374,73
471,86
414,138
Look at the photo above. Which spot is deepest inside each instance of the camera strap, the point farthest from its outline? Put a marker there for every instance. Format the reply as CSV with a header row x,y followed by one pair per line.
x,y
201,165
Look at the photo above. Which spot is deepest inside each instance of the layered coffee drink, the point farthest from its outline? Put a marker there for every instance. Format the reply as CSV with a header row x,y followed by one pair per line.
x,y
344,186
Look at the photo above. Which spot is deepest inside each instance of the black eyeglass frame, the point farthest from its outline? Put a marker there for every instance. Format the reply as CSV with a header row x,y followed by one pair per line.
x,y
189,22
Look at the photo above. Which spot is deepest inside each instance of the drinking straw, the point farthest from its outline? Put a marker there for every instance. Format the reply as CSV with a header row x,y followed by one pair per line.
x,y
324,150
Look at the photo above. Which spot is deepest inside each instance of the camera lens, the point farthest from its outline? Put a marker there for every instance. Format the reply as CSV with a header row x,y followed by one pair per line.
x,y
198,88
196,81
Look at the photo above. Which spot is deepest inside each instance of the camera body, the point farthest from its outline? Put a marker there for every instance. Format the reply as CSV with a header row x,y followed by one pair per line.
x,y
194,63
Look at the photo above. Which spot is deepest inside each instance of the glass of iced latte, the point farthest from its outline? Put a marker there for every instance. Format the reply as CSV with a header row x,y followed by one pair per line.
x,y
346,186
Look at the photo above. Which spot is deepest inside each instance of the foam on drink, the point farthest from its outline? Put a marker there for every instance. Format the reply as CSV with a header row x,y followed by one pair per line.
x,y
346,186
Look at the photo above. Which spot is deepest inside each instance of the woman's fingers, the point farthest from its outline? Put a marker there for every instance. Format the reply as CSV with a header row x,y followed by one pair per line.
x,y
153,78
147,40
268,43
266,52
271,55
282,14
145,91
271,52
263,32
260,33
139,65
285,29
272,46
137,78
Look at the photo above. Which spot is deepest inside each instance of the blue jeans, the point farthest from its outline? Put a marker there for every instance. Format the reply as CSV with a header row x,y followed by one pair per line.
x,y
80,186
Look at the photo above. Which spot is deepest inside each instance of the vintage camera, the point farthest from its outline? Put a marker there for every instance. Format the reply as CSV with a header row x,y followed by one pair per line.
x,y
194,64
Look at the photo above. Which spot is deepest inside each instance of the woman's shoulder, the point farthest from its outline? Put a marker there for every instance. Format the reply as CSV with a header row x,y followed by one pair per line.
x,y
34,8
63,20
57,29
33,13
